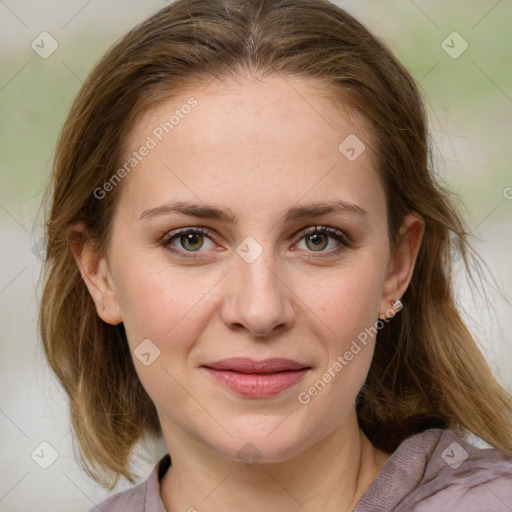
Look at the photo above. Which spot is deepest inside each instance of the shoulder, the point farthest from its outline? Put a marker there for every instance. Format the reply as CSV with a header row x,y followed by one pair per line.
x,y
458,475
438,470
144,497
130,500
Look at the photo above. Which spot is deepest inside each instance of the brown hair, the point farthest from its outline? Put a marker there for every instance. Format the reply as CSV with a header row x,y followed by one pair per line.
x,y
427,369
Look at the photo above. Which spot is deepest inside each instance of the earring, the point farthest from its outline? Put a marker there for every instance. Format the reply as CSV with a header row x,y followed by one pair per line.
x,y
396,306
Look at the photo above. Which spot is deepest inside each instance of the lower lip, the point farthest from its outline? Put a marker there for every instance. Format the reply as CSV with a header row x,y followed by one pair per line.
x,y
257,385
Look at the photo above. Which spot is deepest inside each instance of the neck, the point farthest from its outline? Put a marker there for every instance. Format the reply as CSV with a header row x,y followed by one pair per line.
x,y
330,476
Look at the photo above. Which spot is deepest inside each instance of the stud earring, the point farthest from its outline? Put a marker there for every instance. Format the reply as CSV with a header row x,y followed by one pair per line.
x,y
396,306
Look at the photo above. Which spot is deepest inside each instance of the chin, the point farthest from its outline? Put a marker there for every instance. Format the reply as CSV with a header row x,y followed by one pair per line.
x,y
261,442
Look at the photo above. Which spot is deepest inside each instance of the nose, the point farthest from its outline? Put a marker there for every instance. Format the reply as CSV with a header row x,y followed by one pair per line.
x,y
257,300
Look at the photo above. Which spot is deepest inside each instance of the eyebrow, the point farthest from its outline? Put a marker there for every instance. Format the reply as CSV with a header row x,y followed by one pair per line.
x,y
204,211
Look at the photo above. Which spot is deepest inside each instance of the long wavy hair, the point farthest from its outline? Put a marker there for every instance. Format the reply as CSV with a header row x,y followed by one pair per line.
x,y
427,370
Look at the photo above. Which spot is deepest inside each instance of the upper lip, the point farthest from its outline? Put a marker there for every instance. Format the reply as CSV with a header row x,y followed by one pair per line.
x,y
247,365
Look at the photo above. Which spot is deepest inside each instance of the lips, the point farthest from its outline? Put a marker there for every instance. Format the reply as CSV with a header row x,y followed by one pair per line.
x,y
257,379
247,365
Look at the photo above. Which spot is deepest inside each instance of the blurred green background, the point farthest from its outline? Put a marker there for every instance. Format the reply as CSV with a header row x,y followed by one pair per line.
x,y
469,100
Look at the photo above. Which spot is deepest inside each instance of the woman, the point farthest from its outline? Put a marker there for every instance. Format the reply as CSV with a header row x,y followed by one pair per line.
x,y
249,254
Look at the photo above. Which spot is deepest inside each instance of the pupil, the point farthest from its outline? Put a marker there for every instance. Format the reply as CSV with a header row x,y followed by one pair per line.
x,y
316,239
191,240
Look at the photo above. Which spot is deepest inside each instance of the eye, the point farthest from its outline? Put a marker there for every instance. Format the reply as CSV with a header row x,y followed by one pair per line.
x,y
188,239
316,239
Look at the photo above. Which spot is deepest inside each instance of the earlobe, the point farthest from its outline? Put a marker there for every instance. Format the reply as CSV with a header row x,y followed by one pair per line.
x,y
395,307
403,260
95,274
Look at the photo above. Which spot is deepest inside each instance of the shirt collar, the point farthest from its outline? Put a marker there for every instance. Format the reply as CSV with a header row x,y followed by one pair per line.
x,y
153,501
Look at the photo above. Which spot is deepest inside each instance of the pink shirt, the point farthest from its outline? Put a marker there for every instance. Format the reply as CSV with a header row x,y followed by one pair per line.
x,y
435,471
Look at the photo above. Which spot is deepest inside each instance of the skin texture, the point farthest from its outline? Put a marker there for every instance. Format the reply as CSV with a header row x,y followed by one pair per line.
x,y
257,148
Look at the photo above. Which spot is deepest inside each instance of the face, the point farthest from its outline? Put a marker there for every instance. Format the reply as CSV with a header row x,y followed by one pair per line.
x,y
278,249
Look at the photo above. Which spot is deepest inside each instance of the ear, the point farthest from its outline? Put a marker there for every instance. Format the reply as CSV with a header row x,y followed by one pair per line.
x,y
402,261
95,273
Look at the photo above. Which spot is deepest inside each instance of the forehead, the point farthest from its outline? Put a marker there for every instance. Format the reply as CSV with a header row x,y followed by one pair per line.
x,y
255,143
261,106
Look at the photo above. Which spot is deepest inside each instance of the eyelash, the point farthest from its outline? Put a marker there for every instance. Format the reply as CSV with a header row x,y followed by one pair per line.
x,y
339,236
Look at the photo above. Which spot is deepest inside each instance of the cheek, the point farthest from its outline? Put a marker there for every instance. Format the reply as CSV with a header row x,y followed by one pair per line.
x,y
347,307
170,307
163,303
347,301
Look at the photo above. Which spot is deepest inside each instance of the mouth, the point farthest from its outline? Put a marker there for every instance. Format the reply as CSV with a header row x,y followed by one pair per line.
x,y
257,379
